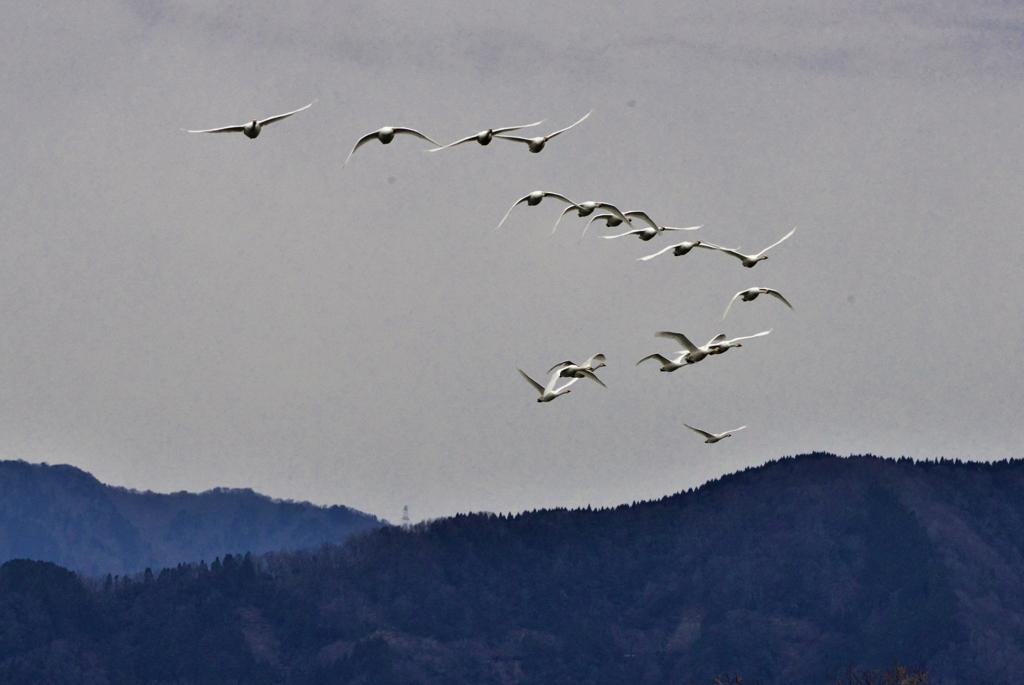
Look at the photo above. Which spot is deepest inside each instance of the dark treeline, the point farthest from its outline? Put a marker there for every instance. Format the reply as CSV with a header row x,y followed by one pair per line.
x,y
789,573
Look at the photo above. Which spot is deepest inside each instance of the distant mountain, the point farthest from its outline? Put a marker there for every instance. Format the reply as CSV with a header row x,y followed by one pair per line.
x,y
787,573
64,515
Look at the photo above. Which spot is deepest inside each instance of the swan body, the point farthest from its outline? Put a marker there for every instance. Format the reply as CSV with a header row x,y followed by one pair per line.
x,y
714,437
532,200
693,354
253,128
549,392
751,294
537,144
386,135
750,260
485,137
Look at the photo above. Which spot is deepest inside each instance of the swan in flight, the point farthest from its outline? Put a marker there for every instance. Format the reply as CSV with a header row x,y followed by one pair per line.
x,y
678,250
714,437
587,208
750,260
385,136
668,365
537,144
570,369
550,392
532,200
752,293
253,128
693,354
485,137
650,231
719,345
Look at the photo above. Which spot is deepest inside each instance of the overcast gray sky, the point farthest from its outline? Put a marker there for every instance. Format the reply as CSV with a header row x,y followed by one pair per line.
x,y
184,312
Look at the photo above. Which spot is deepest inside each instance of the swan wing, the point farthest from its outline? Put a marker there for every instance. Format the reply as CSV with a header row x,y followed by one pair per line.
x,y
362,141
643,217
730,304
514,128
518,202
532,382
222,129
776,294
457,142
552,135
268,121
567,362
518,139
564,212
652,256
776,243
633,232
698,430
414,132
748,337
591,375
675,228
663,360
596,358
679,338
599,217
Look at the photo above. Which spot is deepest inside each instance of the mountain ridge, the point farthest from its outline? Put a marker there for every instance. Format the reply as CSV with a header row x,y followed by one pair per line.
x,y
63,514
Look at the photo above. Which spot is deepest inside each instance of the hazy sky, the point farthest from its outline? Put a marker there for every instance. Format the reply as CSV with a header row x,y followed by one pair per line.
x,y
190,311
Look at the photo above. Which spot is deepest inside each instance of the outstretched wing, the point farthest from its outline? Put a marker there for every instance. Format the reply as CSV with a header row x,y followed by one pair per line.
x,y
633,232
663,360
730,304
643,217
596,358
776,243
279,117
652,256
457,142
698,430
720,338
590,375
532,382
564,212
567,362
688,228
362,141
600,217
755,335
515,128
679,338
222,129
735,430
414,132
518,202
776,294
552,135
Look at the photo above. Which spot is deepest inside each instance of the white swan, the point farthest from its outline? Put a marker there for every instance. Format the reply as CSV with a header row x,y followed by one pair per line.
x,y
751,294
719,345
714,437
569,369
750,260
668,365
253,128
587,208
693,354
679,249
386,135
549,392
485,137
537,144
650,231
532,200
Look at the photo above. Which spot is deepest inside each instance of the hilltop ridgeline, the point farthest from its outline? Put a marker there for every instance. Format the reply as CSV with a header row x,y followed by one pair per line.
x,y
786,573
64,515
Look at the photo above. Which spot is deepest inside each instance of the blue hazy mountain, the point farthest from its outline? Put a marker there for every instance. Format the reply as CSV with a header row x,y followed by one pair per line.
x,y
64,515
787,574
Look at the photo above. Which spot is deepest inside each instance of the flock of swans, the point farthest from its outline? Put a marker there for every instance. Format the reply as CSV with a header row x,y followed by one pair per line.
x,y
612,216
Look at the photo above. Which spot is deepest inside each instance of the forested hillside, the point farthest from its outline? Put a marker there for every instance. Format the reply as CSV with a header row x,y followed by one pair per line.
x,y
787,573
64,515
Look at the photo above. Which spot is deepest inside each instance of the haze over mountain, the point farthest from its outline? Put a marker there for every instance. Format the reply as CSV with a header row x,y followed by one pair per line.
x,y
786,573
65,515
